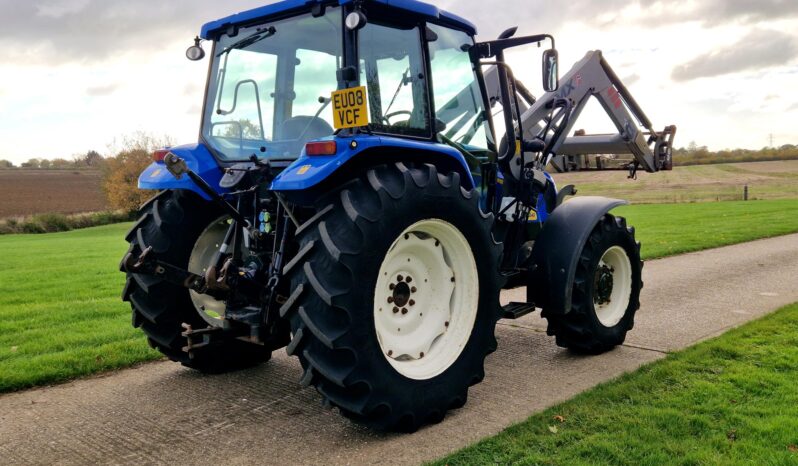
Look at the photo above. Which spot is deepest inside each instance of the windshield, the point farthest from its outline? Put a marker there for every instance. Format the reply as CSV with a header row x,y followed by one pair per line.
x,y
270,86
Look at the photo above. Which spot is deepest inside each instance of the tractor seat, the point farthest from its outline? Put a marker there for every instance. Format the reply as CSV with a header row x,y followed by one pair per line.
x,y
312,127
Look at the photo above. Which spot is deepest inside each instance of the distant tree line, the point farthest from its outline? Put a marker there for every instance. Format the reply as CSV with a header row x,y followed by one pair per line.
x,y
91,159
700,155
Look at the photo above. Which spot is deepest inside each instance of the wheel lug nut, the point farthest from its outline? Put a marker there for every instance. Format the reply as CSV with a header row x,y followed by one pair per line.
x,y
395,310
400,278
409,279
404,311
413,289
412,303
390,299
391,286
446,324
420,355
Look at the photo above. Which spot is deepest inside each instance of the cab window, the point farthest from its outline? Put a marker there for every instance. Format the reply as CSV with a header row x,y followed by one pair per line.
x,y
456,92
392,69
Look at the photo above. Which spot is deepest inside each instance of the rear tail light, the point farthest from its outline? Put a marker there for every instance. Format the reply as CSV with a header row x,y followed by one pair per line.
x,y
321,148
160,154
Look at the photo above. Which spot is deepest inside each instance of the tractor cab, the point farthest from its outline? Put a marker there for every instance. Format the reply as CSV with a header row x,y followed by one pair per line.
x,y
279,77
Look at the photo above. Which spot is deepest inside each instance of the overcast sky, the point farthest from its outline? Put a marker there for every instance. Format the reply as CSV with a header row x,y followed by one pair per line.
x,y
78,74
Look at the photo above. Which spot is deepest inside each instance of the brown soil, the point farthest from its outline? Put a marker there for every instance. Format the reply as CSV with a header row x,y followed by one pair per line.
x,y
27,192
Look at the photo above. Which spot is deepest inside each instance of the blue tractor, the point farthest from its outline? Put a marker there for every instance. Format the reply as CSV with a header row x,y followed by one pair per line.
x,y
349,201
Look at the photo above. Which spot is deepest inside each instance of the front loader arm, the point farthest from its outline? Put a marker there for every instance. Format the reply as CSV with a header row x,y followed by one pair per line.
x,y
591,77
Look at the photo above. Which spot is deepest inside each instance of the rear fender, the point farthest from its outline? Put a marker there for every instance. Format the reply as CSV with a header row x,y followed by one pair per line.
x,y
557,249
310,174
198,159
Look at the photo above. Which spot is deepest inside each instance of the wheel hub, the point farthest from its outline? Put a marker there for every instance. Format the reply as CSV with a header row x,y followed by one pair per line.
x,y
612,286
423,316
603,284
401,292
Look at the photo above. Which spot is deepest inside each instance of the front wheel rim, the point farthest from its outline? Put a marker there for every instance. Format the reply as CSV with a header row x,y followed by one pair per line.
x,y
426,299
612,286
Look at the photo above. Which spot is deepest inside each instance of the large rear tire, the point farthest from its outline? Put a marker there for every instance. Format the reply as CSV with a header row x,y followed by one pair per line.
x,y
395,296
606,292
171,223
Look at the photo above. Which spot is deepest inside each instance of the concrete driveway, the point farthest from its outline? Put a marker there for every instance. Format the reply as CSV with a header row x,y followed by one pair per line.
x,y
163,413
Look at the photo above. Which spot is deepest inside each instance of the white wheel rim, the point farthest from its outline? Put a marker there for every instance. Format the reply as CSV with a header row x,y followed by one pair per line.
x,y
207,245
610,309
426,299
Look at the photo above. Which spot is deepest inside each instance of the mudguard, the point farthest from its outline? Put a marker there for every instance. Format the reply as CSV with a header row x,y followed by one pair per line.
x,y
308,171
558,247
197,158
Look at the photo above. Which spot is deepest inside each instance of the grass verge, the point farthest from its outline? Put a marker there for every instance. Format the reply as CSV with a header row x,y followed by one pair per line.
x,y
60,312
61,315
669,229
731,400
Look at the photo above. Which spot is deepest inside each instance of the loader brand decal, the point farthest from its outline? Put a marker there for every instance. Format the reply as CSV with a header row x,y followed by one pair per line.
x,y
615,97
303,169
350,109
155,173
569,87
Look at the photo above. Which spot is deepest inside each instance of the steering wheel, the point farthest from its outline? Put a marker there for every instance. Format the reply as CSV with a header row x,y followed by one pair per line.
x,y
387,118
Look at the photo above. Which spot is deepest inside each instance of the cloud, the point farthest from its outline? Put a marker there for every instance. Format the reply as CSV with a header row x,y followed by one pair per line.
x,y
631,79
100,91
191,89
61,31
548,15
760,49
90,31
719,11
59,8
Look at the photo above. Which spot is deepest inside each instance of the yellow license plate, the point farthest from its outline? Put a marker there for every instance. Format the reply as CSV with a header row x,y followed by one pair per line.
x,y
350,108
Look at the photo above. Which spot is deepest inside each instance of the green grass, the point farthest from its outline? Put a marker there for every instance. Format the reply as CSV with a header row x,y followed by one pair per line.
x,y
60,310
731,400
61,315
668,229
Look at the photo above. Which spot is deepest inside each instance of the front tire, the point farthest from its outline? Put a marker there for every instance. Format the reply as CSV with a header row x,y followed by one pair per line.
x,y
606,291
171,223
410,237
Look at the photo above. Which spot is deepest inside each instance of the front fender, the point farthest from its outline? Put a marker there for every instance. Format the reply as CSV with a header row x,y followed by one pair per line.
x,y
198,158
308,172
557,249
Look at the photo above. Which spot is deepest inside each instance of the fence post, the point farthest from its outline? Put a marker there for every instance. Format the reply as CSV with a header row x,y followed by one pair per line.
x,y
745,193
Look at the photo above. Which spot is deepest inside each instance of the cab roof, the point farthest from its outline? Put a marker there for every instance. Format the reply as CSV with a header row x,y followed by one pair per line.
x,y
412,6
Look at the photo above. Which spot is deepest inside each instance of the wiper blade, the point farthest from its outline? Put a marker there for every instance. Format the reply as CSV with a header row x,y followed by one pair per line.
x,y
249,40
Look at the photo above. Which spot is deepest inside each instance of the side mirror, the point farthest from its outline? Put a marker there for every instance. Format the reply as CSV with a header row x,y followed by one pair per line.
x,y
195,52
551,71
